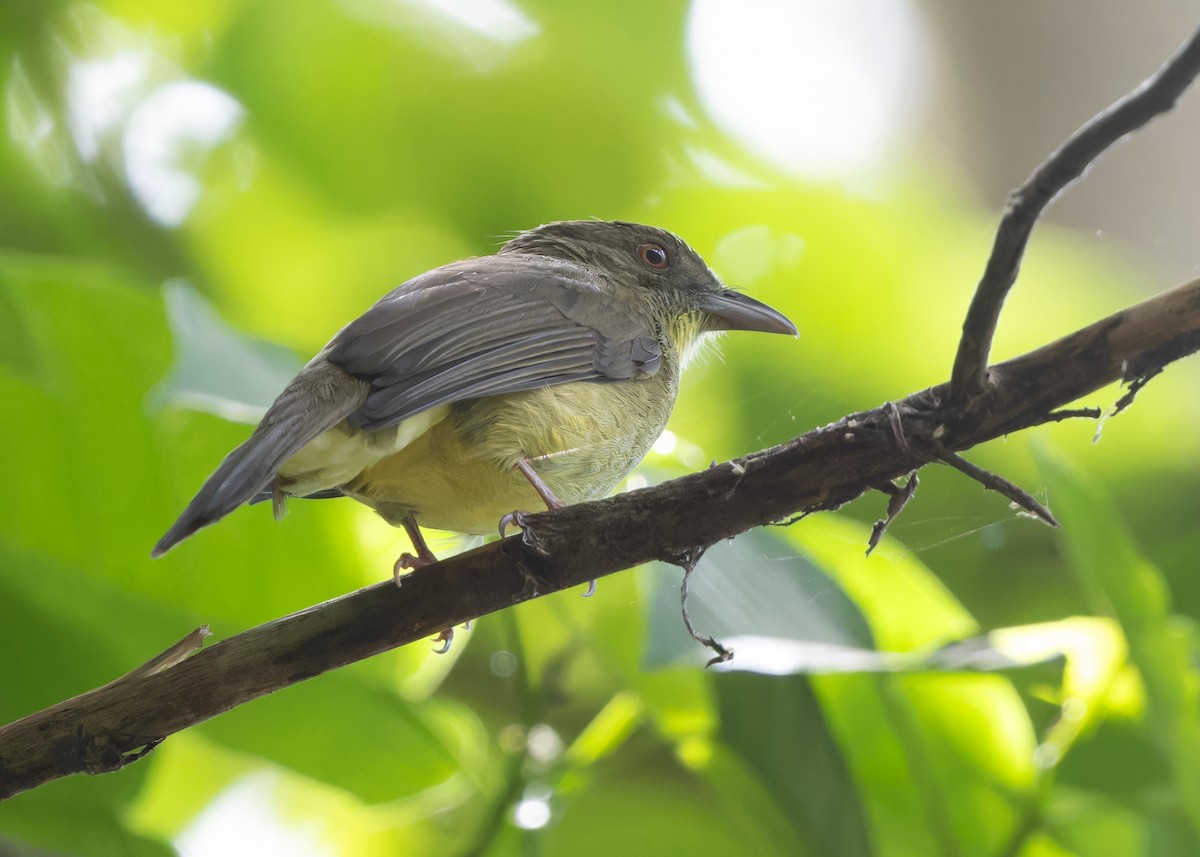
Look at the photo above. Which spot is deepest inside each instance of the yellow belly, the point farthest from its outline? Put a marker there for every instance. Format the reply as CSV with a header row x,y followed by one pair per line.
x,y
459,475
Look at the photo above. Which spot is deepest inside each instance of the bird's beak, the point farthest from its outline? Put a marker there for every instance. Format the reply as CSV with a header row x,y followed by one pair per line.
x,y
730,310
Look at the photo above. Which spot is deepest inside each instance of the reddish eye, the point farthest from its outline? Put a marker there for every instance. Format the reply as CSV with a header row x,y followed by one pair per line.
x,y
654,255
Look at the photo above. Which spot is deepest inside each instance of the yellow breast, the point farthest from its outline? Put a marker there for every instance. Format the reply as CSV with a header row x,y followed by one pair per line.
x,y
581,438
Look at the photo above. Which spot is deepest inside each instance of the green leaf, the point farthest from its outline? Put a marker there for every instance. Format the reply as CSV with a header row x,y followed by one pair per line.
x,y
217,369
782,615
778,729
340,730
78,816
1120,581
754,585
650,807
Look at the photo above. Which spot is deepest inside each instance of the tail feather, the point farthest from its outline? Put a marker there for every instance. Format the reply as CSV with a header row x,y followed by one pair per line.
x,y
314,402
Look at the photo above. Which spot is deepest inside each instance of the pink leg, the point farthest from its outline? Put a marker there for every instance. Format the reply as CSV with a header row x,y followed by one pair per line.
x,y
424,557
407,561
548,496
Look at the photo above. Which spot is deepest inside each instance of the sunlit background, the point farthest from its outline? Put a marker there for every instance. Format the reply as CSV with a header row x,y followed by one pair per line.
x,y
195,196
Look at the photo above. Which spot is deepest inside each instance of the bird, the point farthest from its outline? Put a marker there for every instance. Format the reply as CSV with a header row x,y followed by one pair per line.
x,y
541,374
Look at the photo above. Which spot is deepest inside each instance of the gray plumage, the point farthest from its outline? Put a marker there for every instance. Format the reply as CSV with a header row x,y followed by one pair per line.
x,y
562,304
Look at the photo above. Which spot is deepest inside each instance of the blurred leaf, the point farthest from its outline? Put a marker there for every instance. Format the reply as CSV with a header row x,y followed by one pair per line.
x,y
755,585
760,582
944,762
58,624
17,350
188,772
744,793
648,808
932,754
72,313
1119,580
1094,827
71,816
904,604
781,615
778,729
217,370
607,731
351,735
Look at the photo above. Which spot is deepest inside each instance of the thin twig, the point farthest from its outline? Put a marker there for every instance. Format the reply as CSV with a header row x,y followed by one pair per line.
x,y
1135,387
688,561
1154,96
898,497
172,656
1073,413
998,483
1126,400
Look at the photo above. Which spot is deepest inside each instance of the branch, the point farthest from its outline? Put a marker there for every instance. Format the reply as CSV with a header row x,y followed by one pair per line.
x,y
1156,95
999,484
823,469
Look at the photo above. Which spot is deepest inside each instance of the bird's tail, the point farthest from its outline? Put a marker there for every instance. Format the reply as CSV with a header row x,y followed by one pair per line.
x,y
313,403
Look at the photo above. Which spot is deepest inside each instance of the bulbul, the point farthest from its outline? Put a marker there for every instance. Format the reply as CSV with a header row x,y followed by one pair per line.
x,y
540,375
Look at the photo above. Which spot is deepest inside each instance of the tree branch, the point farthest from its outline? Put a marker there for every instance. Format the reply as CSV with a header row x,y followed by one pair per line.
x,y
1156,95
105,728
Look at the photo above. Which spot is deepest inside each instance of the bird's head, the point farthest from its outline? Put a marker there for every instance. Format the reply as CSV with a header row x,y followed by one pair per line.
x,y
657,269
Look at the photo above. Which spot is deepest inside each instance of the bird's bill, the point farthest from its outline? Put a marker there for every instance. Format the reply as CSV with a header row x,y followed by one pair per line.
x,y
730,310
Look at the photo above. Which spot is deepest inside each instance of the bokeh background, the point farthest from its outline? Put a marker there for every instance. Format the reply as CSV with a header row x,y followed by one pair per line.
x,y
197,195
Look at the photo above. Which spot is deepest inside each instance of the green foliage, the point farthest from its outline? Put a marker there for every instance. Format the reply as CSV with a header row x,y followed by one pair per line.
x,y
978,686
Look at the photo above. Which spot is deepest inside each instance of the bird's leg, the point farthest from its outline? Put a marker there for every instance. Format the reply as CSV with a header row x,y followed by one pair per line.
x,y
424,556
548,497
408,562
544,491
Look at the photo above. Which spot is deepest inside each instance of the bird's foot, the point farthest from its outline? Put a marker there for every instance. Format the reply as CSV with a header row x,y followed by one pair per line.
x,y
446,637
410,562
591,589
533,582
512,519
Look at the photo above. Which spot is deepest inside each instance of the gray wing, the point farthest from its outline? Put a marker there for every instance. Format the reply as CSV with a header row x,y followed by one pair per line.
x,y
487,326
315,400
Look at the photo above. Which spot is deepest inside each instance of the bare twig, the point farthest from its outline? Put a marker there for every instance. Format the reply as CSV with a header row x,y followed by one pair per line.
x,y
898,497
1073,413
998,483
1135,387
1154,96
172,656
688,563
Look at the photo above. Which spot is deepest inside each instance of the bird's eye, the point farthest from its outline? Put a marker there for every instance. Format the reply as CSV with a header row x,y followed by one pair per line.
x,y
654,255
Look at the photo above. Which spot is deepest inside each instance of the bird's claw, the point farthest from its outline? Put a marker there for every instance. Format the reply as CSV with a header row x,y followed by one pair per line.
x,y
408,562
446,637
591,589
512,519
533,582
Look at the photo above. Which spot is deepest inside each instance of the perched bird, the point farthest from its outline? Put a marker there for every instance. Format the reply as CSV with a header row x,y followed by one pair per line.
x,y
541,374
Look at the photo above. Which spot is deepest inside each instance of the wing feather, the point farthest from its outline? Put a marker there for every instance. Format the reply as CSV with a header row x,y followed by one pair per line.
x,y
488,326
